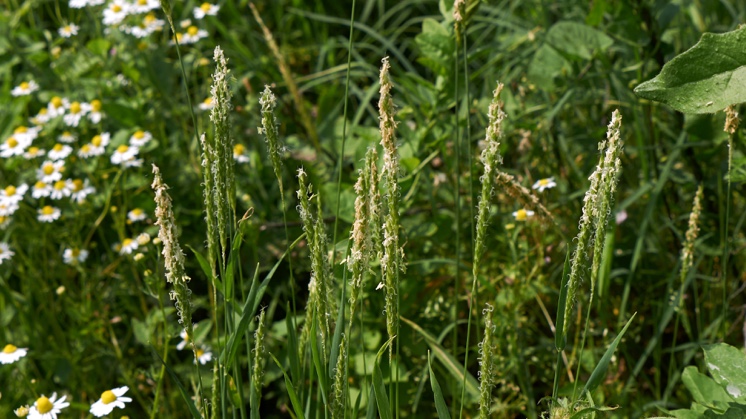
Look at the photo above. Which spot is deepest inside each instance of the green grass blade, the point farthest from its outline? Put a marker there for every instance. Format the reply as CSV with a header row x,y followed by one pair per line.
x,y
382,400
187,399
297,406
292,346
318,363
440,403
230,272
600,371
560,337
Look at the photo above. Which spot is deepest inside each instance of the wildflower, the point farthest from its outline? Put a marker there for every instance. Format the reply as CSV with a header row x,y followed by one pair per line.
x,y
94,111
27,134
66,137
11,354
522,214
5,253
206,104
33,152
143,239
73,256
41,190
203,356
25,88
140,138
78,4
206,9
68,30
136,215
48,214
144,6
22,411
59,151
61,189
75,111
127,247
56,106
239,153
109,400
41,118
85,151
50,171
185,339
543,184
98,144
115,12
125,156
13,147
192,35
7,208
80,189
4,221
47,408
13,194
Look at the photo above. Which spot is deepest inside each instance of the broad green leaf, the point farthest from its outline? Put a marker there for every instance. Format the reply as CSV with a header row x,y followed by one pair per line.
x,y
600,371
704,390
727,365
98,46
577,39
707,78
440,403
546,65
436,45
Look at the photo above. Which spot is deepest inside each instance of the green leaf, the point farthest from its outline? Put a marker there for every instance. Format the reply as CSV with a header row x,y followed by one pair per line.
x,y
547,65
600,371
727,365
98,46
707,78
577,40
440,403
384,409
436,45
297,406
703,388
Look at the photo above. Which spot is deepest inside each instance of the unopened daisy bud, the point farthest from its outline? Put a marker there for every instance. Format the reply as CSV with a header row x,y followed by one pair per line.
x,y
138,257
60,290
22,411
486,364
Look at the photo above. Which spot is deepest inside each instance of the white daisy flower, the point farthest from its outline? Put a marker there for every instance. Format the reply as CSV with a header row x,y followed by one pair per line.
x,y
143,239
75,111
66,137
22,411
99,143
33,152
61,189
13,147
41,118
7,209
10,353
78,4
153,24
94,113
13,194
41,190
68,30
543,184
80,190
109,400
115,12
56,107
203,356
125,156
140,138
191,36
47,408
5,254
73,256
4,221
206,9
127,247
48,214
50,171
522,214
86,150
184,340
144,6
239,153
59,151
25,88
24,133
206,104
136,215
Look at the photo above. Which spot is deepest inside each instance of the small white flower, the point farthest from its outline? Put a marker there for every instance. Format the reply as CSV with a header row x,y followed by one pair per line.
x,y
543,184
115,12
126,156
94,111
203,356
25,88
73,256
191,36
56,106
96,147
50,171
109,400
59,151
48,214
47,408
379,286
78,4
10,353
5,254
61,189
33,152
41,118
206,104
13,194
143,239
27,134
144,6
41,190
13,147
68,30
80,190
184,340
66,137
522,214
239,153
7,209
206,9
75,111
140,138
127,247
136,215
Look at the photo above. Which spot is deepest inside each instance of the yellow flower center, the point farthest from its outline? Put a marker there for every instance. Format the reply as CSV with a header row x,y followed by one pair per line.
x,y
77,185
127,242
139,135
108,397
59,185
76,253
48,169
200,352
43,111
24,85
205,7
137,212
75,107
192,30
40,185
149,18
521,215
96,140
238,149
10,190
208,101
116,8
33,150
43,405
47,210
56,101
86,148
142,2
95,105
11,142
57,147
68,29
67,134
544,182
20,130
123,148
9,349
178,37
